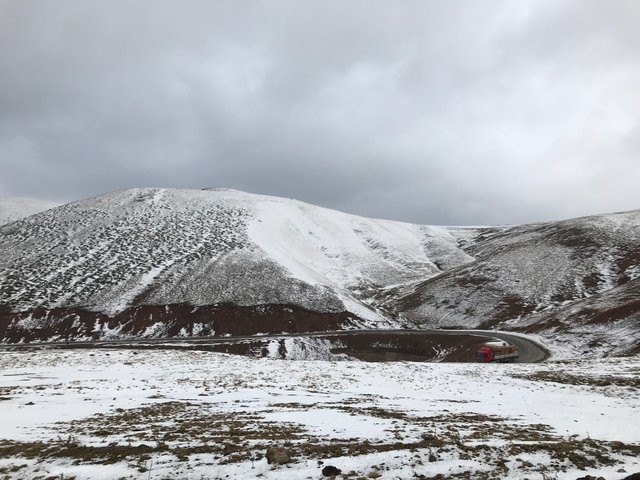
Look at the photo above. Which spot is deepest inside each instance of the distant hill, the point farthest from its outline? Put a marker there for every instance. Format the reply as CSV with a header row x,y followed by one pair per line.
x,y
159,262
15,208
542,275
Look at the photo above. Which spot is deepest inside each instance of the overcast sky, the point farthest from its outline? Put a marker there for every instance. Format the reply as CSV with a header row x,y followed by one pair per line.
x,y
439,112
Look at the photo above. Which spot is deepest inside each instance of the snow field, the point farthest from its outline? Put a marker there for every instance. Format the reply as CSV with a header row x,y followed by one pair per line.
x,y
193,415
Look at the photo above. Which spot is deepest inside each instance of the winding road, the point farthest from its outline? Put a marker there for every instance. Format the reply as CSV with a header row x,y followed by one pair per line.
x,y
530,350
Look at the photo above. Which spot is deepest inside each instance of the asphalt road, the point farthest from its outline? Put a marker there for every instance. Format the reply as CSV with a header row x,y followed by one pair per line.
x,y
530,351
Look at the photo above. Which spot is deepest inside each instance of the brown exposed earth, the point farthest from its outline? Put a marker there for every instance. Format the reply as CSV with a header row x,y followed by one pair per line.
x,y
166,321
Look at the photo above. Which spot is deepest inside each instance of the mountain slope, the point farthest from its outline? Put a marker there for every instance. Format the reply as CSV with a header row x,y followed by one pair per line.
x,y
16,208
536,273
604,324
164,247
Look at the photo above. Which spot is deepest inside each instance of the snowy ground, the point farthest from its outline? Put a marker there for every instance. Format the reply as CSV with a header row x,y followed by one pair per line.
x,y
196,415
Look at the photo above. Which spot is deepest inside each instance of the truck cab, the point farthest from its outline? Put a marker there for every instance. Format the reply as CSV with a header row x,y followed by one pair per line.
x,y
497,352
485,354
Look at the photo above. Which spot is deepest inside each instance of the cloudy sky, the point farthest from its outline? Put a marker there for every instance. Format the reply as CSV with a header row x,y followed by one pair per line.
x,y
441,112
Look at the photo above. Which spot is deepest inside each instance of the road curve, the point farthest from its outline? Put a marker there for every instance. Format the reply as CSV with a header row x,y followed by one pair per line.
x,y
530,350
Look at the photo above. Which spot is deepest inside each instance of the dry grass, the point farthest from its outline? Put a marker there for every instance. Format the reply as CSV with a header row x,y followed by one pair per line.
x,y
593,381
184,428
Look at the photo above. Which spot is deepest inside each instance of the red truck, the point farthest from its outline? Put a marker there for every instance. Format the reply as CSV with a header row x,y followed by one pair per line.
x,y
497,352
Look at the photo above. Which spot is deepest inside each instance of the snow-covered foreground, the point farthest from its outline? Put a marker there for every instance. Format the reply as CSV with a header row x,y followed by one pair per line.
x,y
197,415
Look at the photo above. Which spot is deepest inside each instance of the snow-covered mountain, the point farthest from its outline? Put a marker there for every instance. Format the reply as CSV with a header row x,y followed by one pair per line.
x,y
528,276
604,324
158,262
15,208
138,247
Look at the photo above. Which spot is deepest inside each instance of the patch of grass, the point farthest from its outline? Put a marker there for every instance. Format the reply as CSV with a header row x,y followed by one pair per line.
x,y
8,390
319,448
12,469
111,453
294,405
377,412
583,454
186,428
594,381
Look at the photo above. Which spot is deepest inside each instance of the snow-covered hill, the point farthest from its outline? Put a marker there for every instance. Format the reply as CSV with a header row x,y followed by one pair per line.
x,y
15,208
541,273
208,247
604,324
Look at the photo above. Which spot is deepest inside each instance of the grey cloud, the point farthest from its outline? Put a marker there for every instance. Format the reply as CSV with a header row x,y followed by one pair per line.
x,y
459,112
